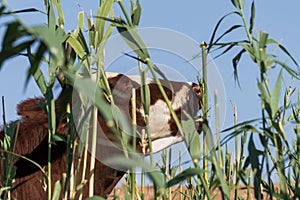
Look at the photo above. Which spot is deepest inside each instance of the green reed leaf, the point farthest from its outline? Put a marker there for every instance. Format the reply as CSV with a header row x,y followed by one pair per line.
x,y
212,42
53,40
145,92
35,70
77,47
11,43
185,175
275,97
95,198
191,136
252,18
61,18
56,190
103,12
138,161
136,12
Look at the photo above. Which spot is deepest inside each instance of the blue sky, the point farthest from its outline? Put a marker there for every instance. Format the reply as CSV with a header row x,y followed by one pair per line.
x,y
195,19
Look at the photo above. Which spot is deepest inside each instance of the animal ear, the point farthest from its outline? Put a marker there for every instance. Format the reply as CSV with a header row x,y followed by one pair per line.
x,y
197,91
63,99
29,106
33,126
121,88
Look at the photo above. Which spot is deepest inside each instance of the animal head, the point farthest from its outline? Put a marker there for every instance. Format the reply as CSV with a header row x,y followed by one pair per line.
x,y
185,98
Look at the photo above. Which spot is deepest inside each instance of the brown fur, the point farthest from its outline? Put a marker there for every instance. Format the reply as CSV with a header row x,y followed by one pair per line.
x,y
32,142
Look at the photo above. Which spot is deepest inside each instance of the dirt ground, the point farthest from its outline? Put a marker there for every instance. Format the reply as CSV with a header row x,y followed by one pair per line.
x,y
175,194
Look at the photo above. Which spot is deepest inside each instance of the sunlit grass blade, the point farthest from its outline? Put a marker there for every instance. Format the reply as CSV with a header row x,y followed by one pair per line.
x,y
136,10
133,40
77,47
61,18
103,12
56,190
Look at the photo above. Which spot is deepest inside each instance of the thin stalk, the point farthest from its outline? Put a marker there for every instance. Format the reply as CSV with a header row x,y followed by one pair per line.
x,y
68,182
49,160
49,165
12,158
237,180
146,117
280,166
165,165
93,152
298,121
74,172
85,159
4,129
120,2
262,80
3,114
149,138
246,26
205,106
168,171
249,185
133,111
50,106
143,145
65,188
72,180
218,128
243,141
180,171
297,179
71,150
99,72
106,84
143,185
265,155
269,172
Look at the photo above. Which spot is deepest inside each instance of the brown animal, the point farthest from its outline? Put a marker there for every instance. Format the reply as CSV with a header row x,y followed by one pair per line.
x,y
32,138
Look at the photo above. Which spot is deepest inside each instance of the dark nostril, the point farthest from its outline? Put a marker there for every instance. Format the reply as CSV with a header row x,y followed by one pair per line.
x,y
198,123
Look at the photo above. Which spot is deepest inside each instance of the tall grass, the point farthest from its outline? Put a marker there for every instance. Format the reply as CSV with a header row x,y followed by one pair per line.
x,y
279,153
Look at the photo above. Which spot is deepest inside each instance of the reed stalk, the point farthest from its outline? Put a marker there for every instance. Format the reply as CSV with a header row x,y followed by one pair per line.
x,y
204,107
120,2
50,106
218,129
85,160
3,114
180,171
133,111
236,154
